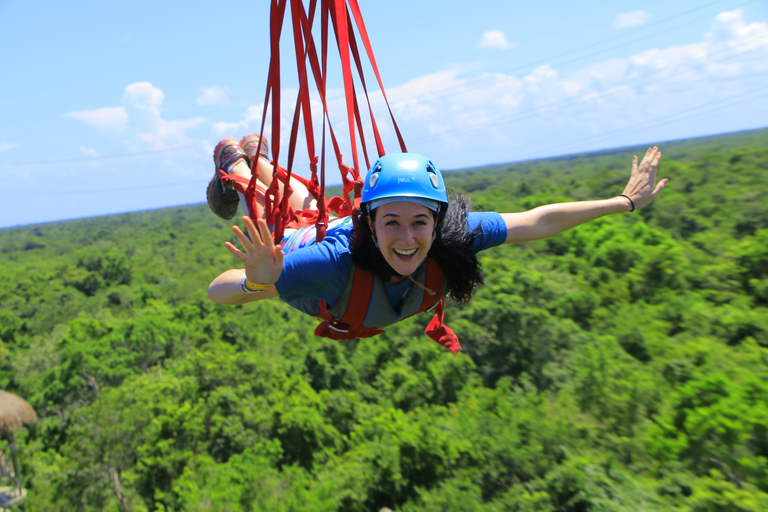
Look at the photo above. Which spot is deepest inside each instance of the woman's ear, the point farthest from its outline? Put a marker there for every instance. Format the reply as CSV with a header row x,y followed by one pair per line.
x,y
373,230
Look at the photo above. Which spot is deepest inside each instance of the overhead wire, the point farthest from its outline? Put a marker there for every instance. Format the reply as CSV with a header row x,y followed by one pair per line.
x,y
696,111
101,157
564,103
551,60
466,129
448,94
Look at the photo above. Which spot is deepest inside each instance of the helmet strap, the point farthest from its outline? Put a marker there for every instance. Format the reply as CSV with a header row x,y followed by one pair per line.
x,y
420,285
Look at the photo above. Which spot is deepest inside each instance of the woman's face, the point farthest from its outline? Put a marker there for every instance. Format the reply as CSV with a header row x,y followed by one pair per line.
x,y
404,232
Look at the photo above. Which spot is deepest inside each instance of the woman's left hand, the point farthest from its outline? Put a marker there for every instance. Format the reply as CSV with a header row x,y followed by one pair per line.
x,y
642,187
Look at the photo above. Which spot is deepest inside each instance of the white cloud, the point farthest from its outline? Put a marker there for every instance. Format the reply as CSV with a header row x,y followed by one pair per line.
x,y
249,122
630,19
495,40
142,102
215,95
88,151
140,124
729,30
140,120
5,146
107,118
463,117
416,98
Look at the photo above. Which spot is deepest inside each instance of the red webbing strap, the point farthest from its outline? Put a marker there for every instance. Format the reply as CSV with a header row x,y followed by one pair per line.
x,y
359,299
342,207
440,332
277,204
351,180
350,325
339,16
272,196
434,283
309,53
356,109
367,43
374,126
436,330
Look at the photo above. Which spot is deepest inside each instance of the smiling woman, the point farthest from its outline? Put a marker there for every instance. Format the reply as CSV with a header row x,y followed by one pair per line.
x,y
404,250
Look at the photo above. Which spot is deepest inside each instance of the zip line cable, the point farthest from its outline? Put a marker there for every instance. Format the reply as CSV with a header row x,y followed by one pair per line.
x,y
102,157
688,113
673,117
567,102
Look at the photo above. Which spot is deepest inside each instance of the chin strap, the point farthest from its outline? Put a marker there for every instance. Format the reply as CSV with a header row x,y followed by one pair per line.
x,y
419,284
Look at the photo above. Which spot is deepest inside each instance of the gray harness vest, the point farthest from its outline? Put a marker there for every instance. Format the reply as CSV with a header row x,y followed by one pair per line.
x,y
380,312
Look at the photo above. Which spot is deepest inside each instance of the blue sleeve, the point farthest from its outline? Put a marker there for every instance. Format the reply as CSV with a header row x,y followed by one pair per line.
x,y
493,229
318,271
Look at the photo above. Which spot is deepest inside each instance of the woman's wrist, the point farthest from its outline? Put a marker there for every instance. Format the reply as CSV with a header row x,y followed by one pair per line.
x,y
631,202
248,286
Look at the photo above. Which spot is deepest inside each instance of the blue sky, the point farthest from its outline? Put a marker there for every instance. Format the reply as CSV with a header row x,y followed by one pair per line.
x,y
110,107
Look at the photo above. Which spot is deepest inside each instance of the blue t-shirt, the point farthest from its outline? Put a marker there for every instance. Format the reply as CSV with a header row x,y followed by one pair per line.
x,y
319,271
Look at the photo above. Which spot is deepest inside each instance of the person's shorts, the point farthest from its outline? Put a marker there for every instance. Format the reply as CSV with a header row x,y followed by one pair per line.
x,y
295,239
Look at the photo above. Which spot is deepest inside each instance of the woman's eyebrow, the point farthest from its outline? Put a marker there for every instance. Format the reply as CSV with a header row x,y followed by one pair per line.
x,y
398,215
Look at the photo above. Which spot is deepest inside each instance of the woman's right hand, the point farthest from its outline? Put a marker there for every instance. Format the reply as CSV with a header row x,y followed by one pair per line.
x,y
263,260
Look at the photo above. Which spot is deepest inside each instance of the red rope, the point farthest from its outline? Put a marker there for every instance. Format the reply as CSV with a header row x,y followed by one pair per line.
x,y
343,16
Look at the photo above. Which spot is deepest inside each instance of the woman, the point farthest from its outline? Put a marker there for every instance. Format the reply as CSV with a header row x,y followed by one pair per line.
x,y
405,220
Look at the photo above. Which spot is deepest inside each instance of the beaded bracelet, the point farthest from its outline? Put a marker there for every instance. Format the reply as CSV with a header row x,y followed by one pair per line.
x,y
251,287
630,201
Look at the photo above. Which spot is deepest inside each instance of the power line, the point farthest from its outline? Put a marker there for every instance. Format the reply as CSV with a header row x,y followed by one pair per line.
x,y
564,103
64,193
101,157
550,59
673,117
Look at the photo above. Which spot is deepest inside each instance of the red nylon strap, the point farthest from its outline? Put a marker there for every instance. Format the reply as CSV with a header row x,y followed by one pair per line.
x,y
436,330
440,332
277,204
350,325
339,16
351,181
357,308
434,283
367,42
374,126
272,196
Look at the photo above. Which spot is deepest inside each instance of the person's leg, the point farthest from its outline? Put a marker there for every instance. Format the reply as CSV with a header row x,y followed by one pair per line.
x,y
241,168
301,199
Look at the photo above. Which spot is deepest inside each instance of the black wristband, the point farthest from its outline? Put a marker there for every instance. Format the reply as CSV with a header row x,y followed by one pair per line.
x,y
630,201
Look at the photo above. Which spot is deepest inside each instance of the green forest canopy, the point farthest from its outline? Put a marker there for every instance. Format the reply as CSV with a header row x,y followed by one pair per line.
x,y
622,365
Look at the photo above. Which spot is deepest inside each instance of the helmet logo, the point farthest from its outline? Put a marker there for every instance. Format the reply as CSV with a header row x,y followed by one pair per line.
x,y
403,180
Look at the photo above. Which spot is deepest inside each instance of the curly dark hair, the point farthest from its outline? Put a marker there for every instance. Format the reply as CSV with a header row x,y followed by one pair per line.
x,y
452,249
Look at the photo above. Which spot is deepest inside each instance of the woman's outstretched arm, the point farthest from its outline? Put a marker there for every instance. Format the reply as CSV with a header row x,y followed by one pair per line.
x,y
263,261
548,220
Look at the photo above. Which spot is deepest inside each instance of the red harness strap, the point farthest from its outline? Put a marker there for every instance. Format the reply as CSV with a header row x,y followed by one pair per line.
x,y
350,325
340,16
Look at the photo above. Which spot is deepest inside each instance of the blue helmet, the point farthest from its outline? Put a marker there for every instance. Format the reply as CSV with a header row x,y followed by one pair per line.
x,y
404,177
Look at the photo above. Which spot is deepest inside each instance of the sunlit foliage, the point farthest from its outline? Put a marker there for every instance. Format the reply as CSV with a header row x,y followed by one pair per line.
x,y
621,366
